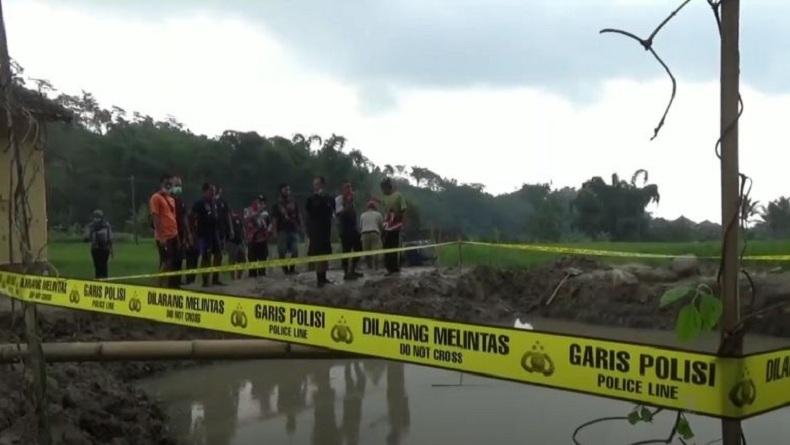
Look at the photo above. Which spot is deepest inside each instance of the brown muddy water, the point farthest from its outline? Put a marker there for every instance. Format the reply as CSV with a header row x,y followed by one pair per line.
x,y
333,402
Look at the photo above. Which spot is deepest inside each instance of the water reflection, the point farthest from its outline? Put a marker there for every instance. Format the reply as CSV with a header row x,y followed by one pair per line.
x,y
377,402
292,397
397,403
217,401
325,430
220,399
356,380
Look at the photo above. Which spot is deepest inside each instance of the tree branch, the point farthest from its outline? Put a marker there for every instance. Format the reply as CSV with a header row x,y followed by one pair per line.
x,y
647,44
666,20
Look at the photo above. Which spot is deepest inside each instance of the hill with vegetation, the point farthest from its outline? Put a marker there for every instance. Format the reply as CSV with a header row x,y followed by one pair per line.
x,y
112,160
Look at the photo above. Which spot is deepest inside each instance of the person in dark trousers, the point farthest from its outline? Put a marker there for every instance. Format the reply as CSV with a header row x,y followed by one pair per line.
x,y
320,210
257,227
287,225
208,240
100,237
192,250
237,252
394,210
224,216
163,218
183,230
348,227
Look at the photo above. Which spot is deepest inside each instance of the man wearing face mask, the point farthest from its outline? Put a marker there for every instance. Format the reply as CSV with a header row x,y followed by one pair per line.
x,y
184,235
163,216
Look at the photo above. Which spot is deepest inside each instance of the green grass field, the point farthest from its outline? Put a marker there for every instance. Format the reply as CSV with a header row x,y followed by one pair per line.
x,y
500,257
72,259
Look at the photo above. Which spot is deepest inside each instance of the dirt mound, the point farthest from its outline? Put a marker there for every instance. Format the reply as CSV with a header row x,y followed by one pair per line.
x,y
90,403
573,288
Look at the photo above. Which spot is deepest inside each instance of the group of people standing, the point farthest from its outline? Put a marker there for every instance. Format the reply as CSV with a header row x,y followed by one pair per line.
x,y
211,228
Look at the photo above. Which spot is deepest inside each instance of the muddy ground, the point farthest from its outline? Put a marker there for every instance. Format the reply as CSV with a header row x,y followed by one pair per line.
x,y
625,295
98,403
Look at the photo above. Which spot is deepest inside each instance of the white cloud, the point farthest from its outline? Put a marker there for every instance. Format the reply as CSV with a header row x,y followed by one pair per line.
x,y
215,73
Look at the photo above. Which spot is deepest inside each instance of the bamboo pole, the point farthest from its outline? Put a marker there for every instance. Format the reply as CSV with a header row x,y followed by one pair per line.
x,y
170,350
730,196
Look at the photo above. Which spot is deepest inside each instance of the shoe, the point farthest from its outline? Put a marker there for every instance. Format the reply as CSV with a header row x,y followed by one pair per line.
x,y
357,275
349,277
324,283
218,283
205,285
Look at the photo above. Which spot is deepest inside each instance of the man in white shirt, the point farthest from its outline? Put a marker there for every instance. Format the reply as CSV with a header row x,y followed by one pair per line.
x,y
370,223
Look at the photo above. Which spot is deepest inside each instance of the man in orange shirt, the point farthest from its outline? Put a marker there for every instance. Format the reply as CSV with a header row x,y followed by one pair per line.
x,y
163,214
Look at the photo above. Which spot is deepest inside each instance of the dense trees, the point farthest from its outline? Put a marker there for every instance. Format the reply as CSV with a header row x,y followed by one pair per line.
x,y
775,219
91,163
616,209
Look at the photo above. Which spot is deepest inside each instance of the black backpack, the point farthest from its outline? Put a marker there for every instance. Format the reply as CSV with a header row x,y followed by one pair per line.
x,y
100,235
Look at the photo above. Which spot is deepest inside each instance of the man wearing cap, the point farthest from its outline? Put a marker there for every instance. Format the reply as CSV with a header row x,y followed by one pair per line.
x,y
371,223
100,236
394,214
257,227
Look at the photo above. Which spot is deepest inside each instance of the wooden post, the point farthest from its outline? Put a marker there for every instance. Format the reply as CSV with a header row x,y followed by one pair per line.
x,y
730,195
34,365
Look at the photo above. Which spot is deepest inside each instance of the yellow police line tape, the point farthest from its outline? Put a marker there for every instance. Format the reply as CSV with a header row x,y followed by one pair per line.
x,y
658,376
613,253
280,262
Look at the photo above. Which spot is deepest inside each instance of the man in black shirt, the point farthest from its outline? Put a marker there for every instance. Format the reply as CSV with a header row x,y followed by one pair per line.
x,y
320,210
348,226
225,225
208,240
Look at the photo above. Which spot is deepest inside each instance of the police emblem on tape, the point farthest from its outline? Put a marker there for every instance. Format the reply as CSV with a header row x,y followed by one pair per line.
x,y
238,318
744,392
341,333
74,296
135,305
536,360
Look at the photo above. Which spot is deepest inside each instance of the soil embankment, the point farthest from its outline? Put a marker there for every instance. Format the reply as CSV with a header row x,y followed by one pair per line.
x,y
98,403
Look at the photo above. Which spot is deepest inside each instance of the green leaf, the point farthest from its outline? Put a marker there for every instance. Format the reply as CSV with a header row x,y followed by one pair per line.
x,y
646,414
633,417
684,429
710,309
689,323
674,294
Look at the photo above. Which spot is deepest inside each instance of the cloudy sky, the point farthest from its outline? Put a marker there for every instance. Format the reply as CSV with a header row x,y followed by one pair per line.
x,y
500,92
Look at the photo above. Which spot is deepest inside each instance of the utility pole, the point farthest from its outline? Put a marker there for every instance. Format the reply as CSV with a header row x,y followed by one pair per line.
x,y
730,195
34,365
134,208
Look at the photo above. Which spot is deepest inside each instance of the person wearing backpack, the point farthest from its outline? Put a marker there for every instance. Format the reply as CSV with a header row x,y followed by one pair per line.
x,y
100,237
